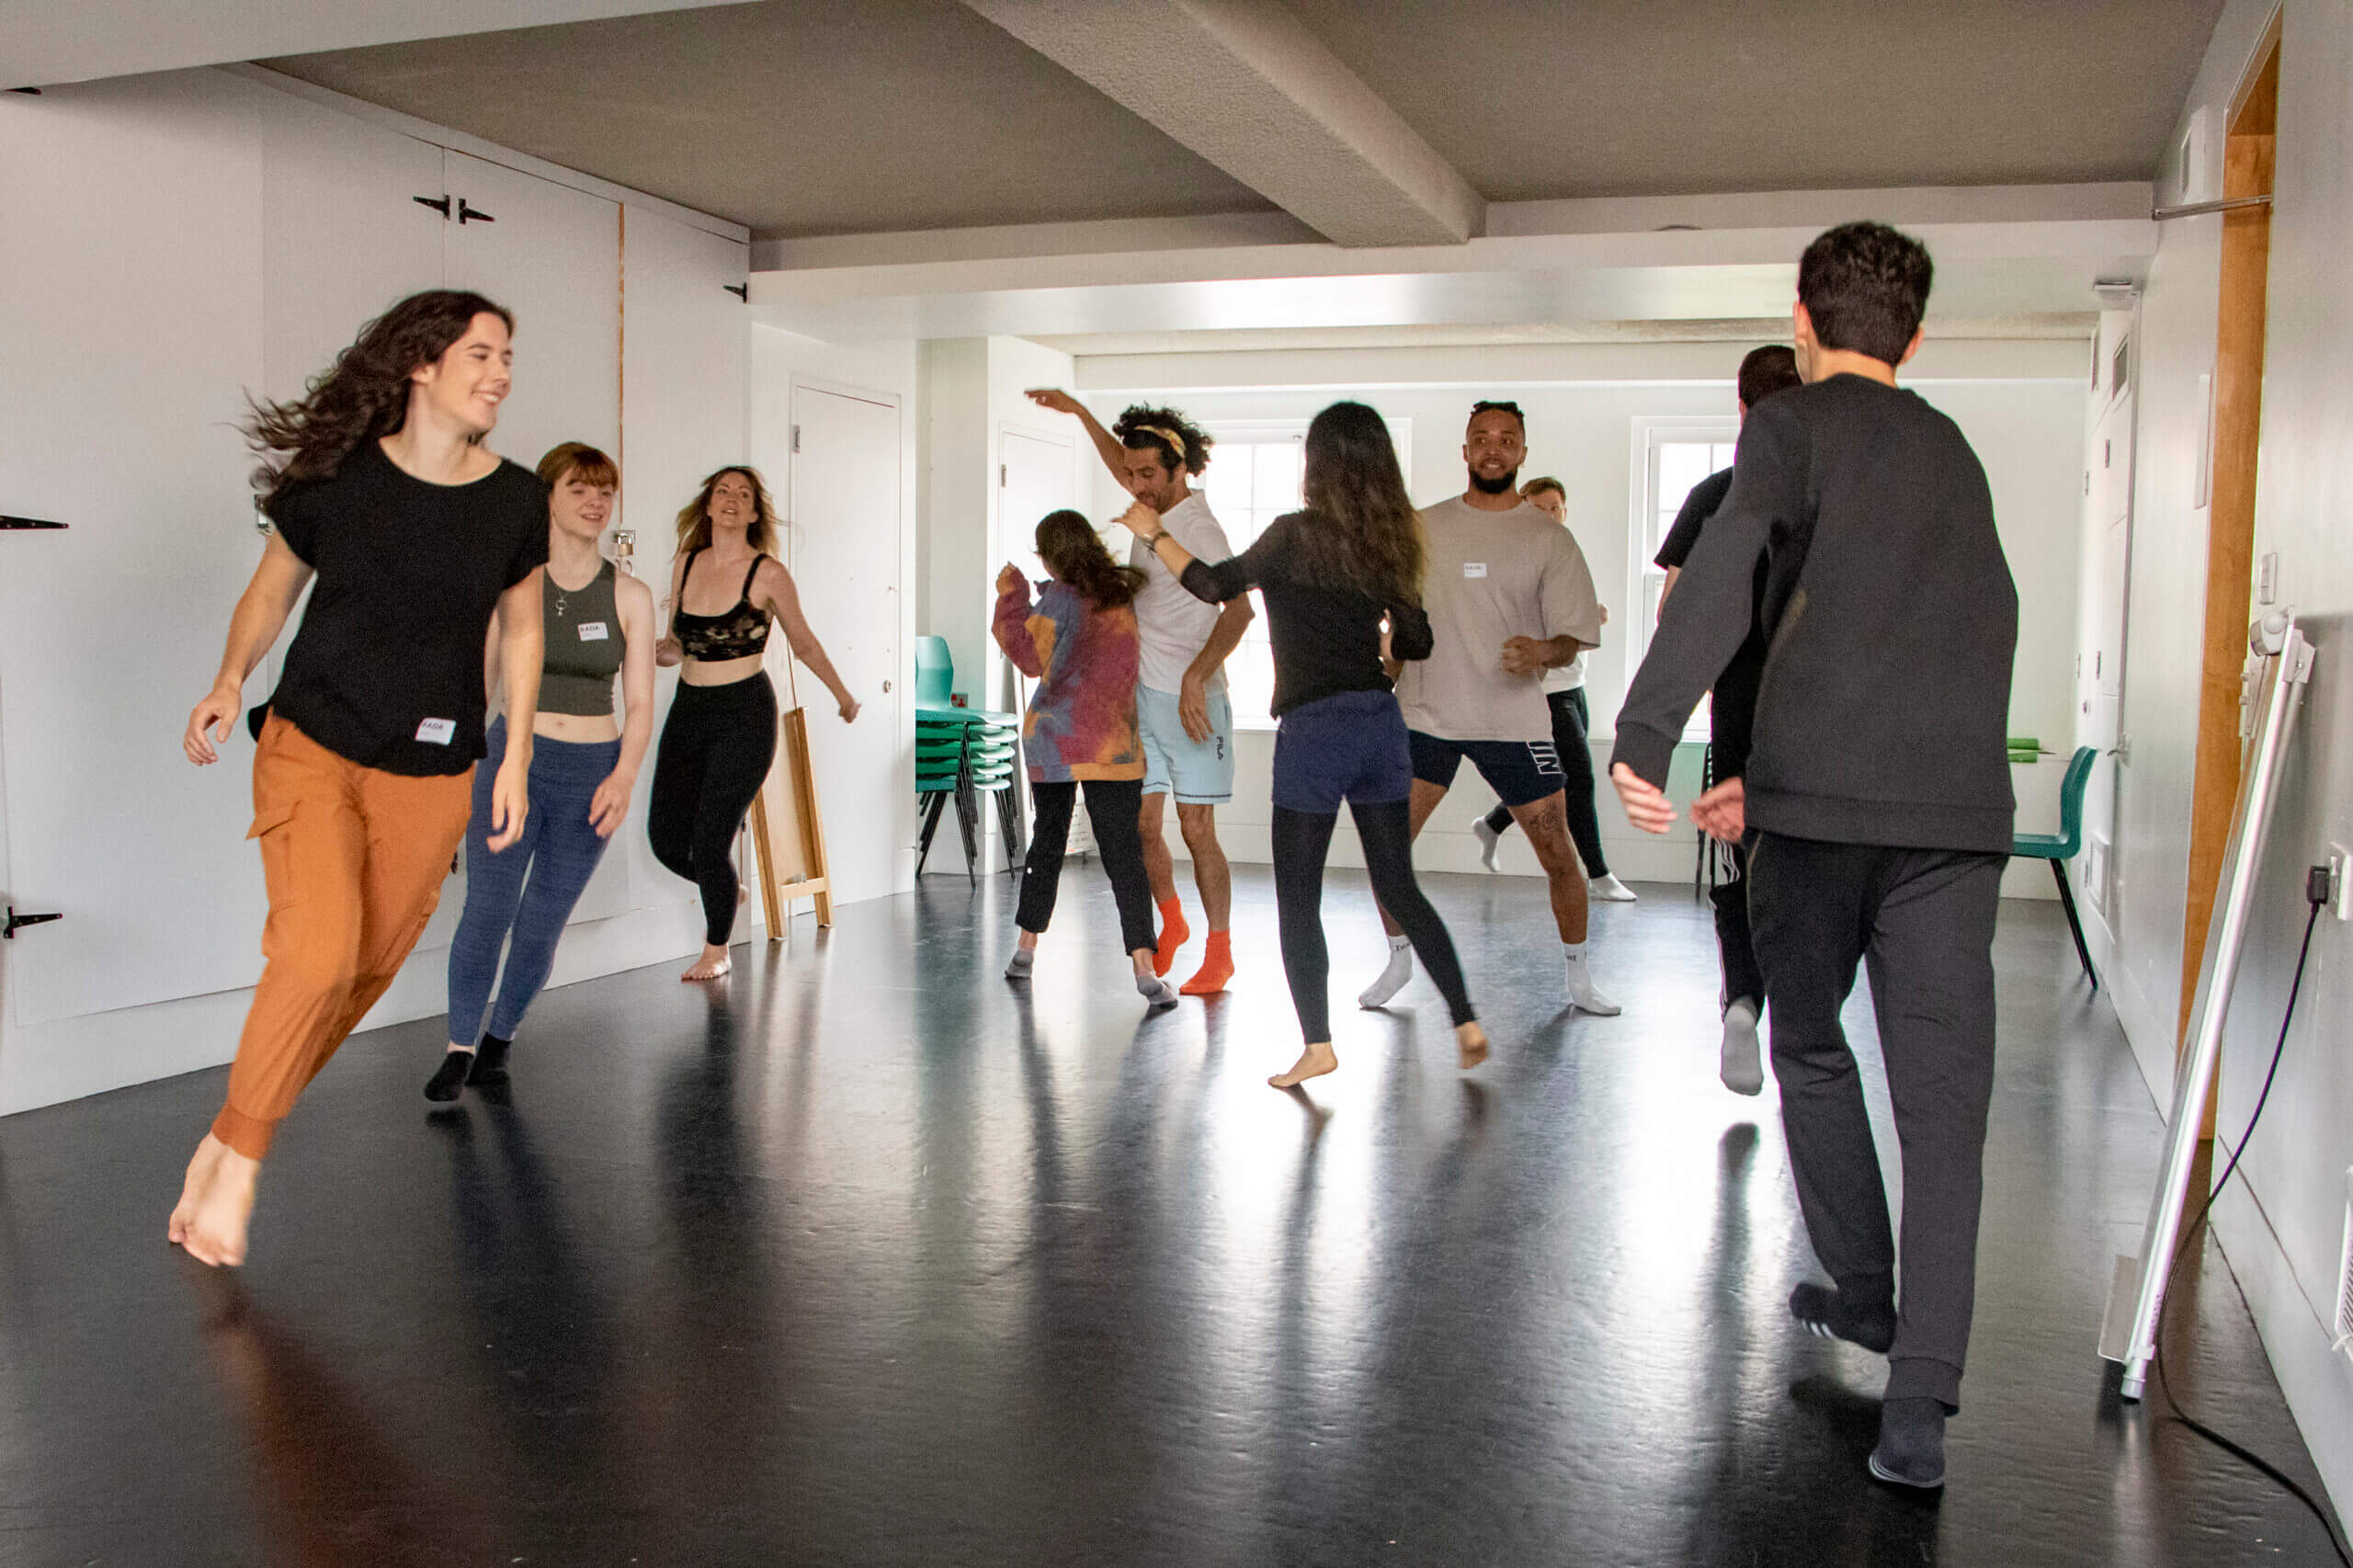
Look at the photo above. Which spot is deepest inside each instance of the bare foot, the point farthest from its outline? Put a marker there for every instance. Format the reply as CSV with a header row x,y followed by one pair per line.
x,y
215,1233
199,1176
1471,1044
1313,1062
710,966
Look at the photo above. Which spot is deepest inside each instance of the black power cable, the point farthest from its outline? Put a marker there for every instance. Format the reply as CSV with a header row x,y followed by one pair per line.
x,y
2317,888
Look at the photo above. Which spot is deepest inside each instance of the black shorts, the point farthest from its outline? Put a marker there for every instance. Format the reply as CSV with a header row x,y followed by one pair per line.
x,y
1520,772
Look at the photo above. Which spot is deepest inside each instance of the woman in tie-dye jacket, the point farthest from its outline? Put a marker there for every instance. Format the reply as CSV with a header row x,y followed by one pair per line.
x,y
1078,642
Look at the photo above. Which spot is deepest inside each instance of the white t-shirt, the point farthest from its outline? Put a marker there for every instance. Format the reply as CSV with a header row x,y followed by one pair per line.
x,y
1173,625
1487,577
1568,677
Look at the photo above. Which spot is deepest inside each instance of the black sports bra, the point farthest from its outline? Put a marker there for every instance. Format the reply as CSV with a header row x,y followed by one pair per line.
x,y
737,633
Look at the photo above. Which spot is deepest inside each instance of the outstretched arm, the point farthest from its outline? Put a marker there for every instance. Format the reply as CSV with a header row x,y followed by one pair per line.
x,y
260,616
1106,446
775,592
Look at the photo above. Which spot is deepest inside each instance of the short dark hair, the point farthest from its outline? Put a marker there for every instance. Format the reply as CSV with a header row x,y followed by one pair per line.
x,y
1866,286
1488,404
1179,443
1767,371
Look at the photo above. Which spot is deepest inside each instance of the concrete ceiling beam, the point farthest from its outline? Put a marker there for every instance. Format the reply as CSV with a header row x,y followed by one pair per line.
x,y
1245,85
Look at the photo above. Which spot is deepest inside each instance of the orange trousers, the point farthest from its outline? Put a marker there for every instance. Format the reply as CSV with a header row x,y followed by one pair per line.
x,y
354,858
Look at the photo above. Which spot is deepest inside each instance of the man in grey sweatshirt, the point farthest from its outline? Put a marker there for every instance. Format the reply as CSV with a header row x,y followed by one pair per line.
x,y
1876,807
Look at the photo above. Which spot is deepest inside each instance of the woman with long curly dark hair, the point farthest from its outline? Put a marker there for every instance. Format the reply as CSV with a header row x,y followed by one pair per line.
x,y
1079,642
720,740
1333,575
376,482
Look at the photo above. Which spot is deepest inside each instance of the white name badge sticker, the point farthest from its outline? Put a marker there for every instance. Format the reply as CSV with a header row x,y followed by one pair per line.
x,y
592,632
1474,569
437,732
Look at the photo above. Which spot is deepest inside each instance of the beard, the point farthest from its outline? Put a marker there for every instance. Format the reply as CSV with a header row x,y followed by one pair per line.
x,y
1487,487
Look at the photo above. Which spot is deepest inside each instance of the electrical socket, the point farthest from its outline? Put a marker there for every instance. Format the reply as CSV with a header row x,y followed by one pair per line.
x,y
2340,882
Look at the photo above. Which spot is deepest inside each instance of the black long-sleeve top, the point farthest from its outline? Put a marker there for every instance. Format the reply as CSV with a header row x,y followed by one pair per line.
x,y
1326,636
1890,622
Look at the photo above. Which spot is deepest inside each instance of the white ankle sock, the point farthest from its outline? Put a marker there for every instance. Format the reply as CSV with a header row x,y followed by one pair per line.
x,y
1582,993
1392,979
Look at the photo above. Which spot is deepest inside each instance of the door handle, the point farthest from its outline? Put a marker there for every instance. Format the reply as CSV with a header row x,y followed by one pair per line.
x,y
469,214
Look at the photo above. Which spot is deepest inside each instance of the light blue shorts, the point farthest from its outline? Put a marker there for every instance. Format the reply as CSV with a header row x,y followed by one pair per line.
x,y
1199,773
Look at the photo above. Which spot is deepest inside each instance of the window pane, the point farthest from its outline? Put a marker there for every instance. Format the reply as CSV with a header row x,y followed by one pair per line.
x,y
1681,465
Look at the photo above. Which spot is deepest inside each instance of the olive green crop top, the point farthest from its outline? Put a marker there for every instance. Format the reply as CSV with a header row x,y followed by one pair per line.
x,y
584,645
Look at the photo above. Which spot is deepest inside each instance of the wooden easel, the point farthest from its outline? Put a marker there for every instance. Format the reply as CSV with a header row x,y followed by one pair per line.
x,y
790,840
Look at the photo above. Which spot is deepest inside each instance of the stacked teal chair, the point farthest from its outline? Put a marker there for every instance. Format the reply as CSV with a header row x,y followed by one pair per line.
x,y
2061,847
961,754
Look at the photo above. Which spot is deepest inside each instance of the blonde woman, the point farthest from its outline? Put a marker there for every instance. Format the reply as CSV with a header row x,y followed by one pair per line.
x,y
720,740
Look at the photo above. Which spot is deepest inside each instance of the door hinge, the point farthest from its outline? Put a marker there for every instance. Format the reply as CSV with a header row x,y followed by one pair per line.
x,y
15,524
796,440
28,92
17,920
1000,476
741,290
2124,751
468,213
438,203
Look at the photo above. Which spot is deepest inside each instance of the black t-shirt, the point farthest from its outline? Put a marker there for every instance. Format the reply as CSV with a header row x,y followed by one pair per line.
x,y
1325,636
386,670
1733,715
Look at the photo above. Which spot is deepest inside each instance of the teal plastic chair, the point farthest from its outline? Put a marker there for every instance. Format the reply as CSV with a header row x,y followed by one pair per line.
x,y
935,673
2062,846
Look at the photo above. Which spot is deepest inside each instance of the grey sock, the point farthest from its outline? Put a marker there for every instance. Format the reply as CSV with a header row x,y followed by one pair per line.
x,y
1017,966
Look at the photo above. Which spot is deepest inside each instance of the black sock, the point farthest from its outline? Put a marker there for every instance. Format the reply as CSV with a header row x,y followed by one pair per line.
x,y
451,1076
490,1062
1911,1450
1834,1314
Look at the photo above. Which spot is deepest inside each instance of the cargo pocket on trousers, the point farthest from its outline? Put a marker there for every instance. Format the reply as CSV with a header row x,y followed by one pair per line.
x,y
273,829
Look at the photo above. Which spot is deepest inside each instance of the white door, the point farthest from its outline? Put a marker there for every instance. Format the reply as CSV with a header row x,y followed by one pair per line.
x,y
123,374
844,559
2101,685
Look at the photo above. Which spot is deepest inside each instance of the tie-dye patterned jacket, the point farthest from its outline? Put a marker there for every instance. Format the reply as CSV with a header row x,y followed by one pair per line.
x,y
1081,717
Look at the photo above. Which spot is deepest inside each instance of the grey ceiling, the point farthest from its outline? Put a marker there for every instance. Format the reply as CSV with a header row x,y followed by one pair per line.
x,y
801,117
810,117
1536,98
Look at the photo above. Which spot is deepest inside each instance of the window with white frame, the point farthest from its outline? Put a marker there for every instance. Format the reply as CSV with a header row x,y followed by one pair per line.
x,y
1674,455
1253,478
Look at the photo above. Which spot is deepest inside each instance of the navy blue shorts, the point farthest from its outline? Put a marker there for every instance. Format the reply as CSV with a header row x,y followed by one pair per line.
x,y
1350,747
1520,772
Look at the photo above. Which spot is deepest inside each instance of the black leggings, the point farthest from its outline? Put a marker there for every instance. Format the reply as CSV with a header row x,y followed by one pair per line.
x,y
1112,806
717,748
1301,840
1572,723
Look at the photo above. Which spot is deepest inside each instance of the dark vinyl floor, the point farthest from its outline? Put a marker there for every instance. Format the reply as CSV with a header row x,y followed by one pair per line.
x,y
863,1258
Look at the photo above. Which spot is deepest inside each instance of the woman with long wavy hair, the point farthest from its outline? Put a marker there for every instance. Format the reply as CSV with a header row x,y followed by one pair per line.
x,y
720,740
376,482
1333,575
1079,642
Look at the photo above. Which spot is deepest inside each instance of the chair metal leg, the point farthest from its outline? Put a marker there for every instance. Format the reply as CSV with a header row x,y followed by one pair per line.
x,y
1010,828
930,826
2074,923
967,819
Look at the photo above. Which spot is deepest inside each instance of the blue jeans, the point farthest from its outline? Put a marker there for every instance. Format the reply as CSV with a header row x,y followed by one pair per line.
x,y
559,850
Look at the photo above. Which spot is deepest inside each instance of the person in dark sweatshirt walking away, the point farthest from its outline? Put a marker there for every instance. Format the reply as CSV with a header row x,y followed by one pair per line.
x,y
1079,642
1733,715
1876,807
1334,575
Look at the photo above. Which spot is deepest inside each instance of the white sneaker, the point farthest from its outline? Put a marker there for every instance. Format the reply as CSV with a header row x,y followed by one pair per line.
x,y
1742,1066
1584,997
1390,980
1609,889
1489,842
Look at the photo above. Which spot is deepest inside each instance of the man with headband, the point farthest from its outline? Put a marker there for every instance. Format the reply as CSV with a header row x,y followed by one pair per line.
x,y
1509,597
1181,706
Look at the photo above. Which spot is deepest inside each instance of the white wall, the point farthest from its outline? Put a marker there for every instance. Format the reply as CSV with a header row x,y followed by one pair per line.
x,y
238,166
2282,1230
2021,404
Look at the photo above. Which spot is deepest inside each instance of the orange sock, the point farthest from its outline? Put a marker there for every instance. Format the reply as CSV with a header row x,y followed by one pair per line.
x,y
1173,932
1217,967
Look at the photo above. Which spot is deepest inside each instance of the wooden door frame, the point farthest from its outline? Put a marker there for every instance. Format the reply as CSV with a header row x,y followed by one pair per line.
x,y
2249,140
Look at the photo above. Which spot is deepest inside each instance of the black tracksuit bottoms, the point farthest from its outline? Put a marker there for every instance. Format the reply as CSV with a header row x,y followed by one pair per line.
x,y
1922,920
